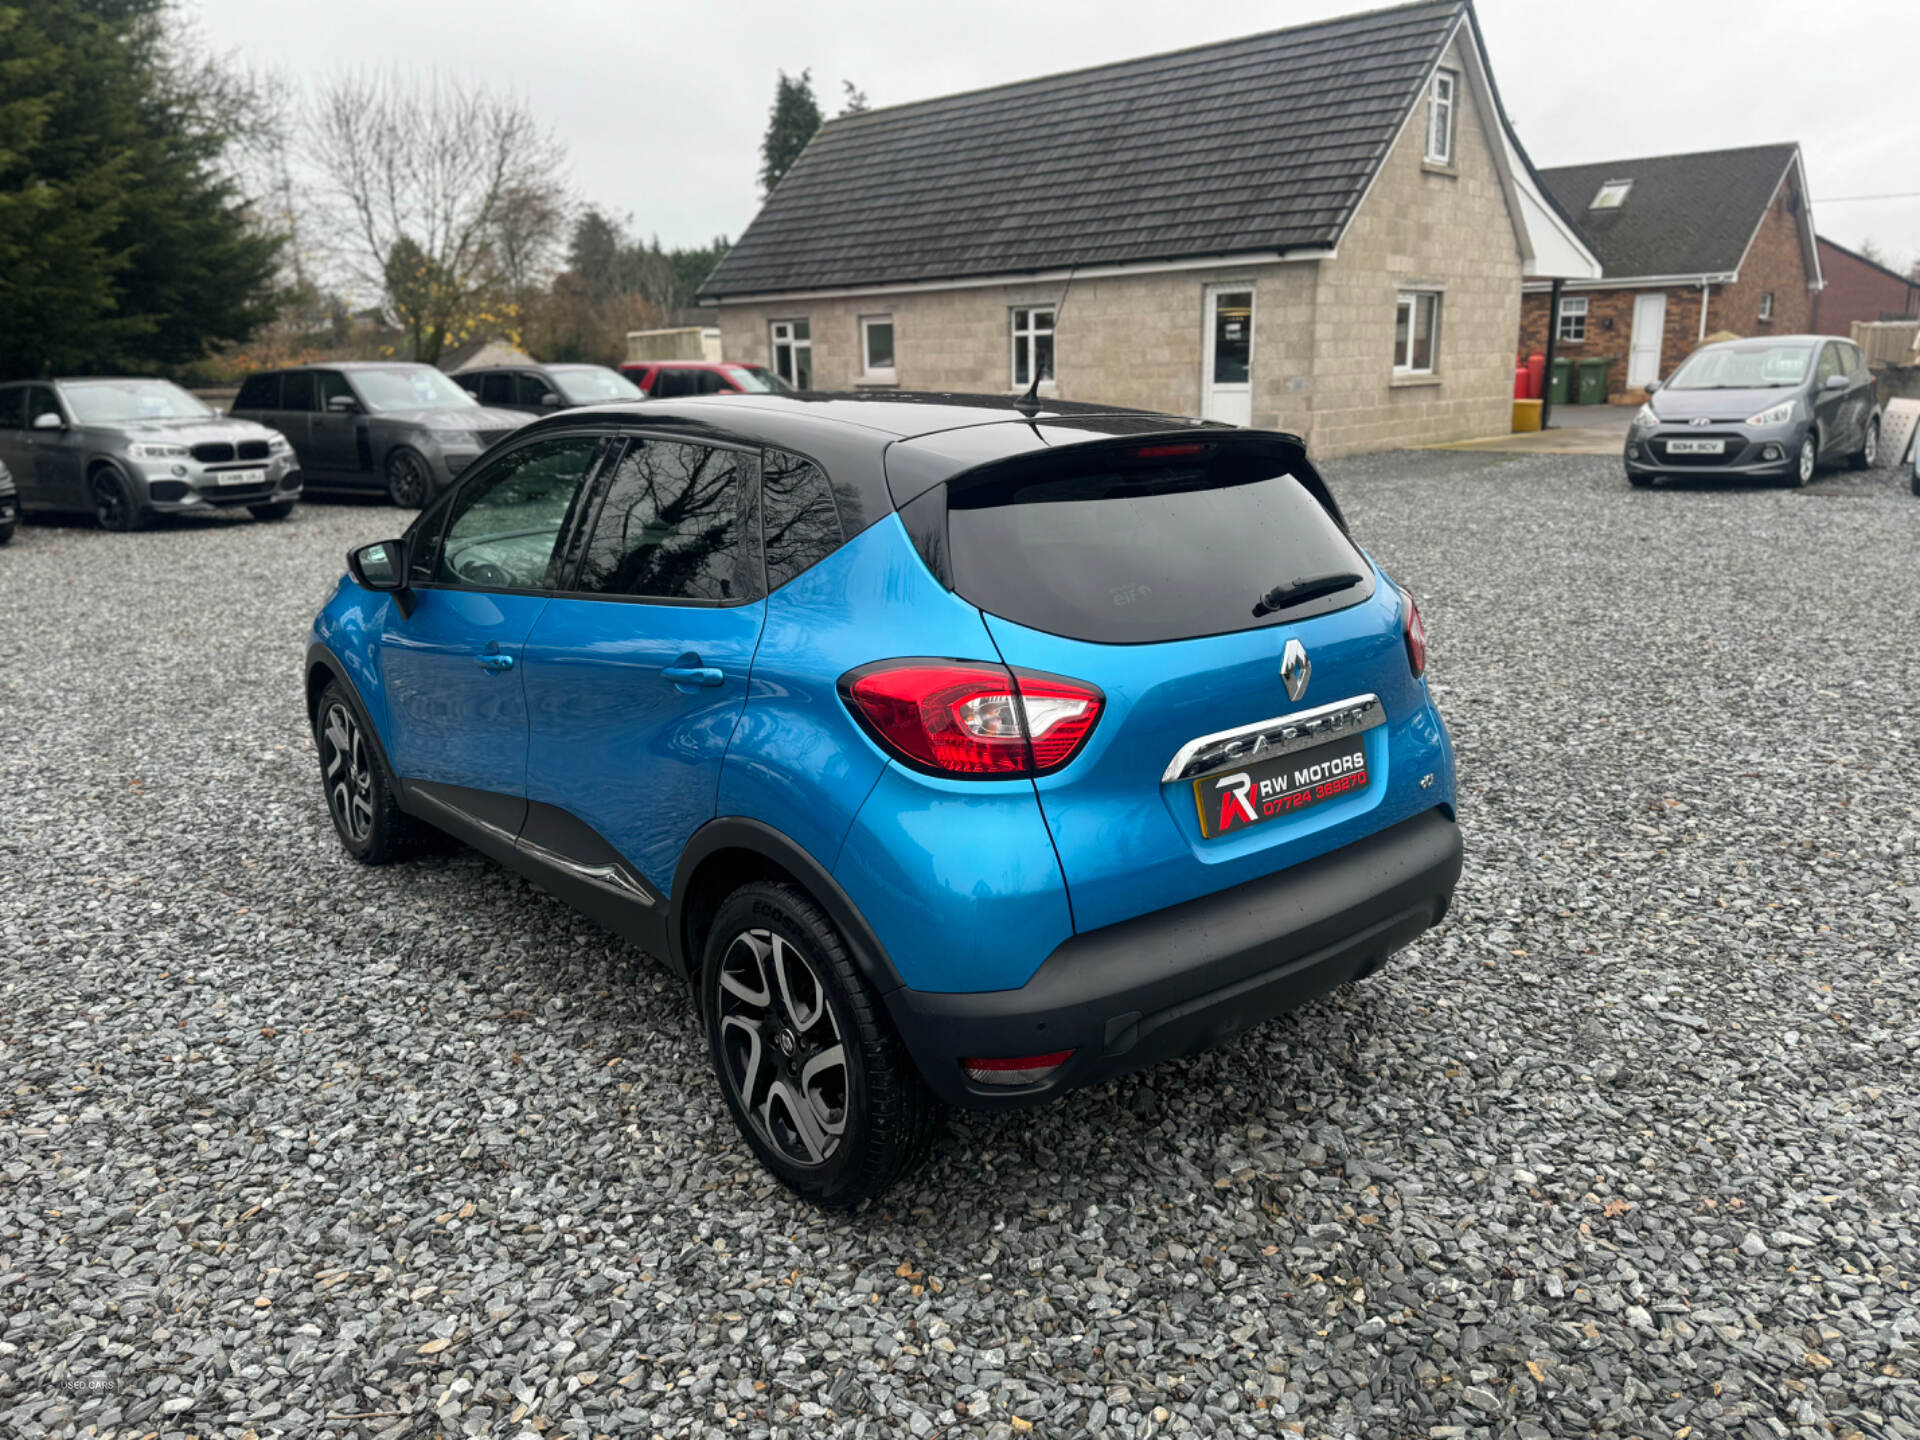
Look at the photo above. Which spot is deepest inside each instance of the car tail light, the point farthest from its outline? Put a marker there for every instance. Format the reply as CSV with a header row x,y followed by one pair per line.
x,y
1015,1069
970,719
1415,630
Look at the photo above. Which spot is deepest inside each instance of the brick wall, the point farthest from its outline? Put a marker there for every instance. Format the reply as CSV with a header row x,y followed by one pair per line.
x,y
1610,331
1775,262
1323,330
1420,230
1121,340
1857,290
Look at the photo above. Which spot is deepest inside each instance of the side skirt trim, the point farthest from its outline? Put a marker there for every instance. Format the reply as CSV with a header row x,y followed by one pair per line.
x,y
569,859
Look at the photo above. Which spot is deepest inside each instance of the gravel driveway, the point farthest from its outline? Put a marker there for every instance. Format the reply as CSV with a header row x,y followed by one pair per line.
x,y
1630,1146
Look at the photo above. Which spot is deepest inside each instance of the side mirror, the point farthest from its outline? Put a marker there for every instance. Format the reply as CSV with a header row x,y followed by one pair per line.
x,y
1651,386
343,405
379,566
49,421
1834,382
549,401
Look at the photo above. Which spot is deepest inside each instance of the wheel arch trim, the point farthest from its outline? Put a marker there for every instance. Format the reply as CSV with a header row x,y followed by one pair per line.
x,y
322,661
762,841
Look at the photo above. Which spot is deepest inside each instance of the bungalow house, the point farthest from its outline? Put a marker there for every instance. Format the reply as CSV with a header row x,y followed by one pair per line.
x,y
1860,289
1691,245
1323,229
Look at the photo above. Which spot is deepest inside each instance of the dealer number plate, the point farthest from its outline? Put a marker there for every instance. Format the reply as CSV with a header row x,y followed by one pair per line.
x,y
1696,447
1269,789
241,477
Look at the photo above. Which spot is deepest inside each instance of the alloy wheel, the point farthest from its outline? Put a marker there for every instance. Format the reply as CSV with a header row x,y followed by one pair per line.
x,y
1871,450
407,480
347,770
1808,457
110,505
782,1053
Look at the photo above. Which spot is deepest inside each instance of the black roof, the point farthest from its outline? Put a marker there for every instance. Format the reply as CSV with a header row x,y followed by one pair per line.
x,y
349,365
1685,215
1257,144
890,415
849,434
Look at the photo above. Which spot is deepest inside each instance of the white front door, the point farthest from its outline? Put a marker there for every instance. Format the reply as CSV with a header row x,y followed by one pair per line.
x,y
1649,329
1226,388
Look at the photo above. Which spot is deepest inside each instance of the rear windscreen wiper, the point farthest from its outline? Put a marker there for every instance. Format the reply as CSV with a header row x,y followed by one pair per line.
x,y
1311,587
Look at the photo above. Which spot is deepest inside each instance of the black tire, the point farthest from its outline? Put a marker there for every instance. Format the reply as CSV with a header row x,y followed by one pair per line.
x,y
1916,479
409,481
273,510
1806,461
6,532
114,506
1868,455
867,1117
1638,481
361,795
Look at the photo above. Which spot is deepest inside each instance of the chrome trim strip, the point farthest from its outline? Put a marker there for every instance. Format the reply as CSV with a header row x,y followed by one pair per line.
x,y
1281,735
465,817
613,877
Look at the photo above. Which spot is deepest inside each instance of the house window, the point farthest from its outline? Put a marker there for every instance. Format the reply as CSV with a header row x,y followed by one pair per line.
x,y
1573,319
1416,332
793,353
1032,346
1612,195
1766,306
876,347
1440,116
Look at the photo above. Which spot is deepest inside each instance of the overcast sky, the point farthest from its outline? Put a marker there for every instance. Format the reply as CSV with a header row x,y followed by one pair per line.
x,y
662,106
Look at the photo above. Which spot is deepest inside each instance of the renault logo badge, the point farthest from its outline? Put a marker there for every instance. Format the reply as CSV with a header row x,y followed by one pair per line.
x,y
1296,669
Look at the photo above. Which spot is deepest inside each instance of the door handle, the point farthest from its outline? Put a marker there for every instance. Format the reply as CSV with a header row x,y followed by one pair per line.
x,y
494,664
694,675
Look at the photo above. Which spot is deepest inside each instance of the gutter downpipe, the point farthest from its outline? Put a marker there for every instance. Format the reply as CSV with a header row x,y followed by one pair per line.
x,y
1706,296
1553,336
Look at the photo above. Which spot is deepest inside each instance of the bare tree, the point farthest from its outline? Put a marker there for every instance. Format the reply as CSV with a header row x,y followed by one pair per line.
x,y
450,195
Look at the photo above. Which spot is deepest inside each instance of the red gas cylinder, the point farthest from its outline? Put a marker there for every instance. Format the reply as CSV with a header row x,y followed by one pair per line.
x,y
1536,375
1522,382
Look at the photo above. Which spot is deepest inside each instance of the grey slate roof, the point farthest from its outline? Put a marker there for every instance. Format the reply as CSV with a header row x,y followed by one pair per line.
x,y
1262,143
1686,214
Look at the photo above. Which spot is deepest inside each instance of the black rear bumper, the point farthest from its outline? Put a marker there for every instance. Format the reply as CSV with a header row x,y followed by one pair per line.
x,y
1185,979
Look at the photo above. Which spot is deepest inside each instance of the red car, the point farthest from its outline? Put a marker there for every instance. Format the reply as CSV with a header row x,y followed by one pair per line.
x,y
677,379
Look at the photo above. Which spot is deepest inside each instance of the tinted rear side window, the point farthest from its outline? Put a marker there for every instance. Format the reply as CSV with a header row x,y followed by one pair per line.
x,y
671,525
797,518
297,390
1142,544
260,392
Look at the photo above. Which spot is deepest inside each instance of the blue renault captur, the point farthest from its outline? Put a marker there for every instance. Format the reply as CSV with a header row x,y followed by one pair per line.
x,y
957,751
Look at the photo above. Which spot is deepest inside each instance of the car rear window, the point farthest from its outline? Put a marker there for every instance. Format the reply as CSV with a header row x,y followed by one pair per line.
x,y
1151,542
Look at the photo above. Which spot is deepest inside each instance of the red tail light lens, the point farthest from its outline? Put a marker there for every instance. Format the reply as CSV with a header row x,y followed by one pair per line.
x,y
971,719
1415,630
1015,1069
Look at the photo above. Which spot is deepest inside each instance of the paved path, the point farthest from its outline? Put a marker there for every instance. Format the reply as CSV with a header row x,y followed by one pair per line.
x,y
1576,430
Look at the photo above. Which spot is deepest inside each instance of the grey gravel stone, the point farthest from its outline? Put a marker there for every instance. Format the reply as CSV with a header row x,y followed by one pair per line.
x,y
293,1147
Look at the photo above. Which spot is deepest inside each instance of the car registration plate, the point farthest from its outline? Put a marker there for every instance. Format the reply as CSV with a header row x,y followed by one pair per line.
x,y
1696,447
240,477
1285,785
